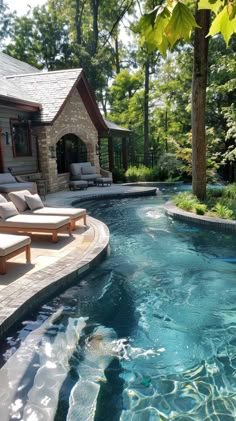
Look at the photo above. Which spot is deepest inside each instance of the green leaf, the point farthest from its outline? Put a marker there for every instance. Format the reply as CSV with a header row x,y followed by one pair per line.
x,y
224,24
151,27
180,24
213,5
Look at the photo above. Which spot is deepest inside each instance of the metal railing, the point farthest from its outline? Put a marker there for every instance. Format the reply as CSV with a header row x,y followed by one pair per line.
x,y
133,159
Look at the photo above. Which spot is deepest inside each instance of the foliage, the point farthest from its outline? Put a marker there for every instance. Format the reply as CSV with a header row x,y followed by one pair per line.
x,y
118,175
200,209
141,173
219,202
173,21
230,191
222,211
186,201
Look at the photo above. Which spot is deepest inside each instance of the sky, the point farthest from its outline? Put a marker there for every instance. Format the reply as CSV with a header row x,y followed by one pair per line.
x,y
22,6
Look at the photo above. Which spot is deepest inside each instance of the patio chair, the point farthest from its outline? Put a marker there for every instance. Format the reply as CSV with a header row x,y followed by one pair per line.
x,y
85,171
12,221
26,202
12,245
9,183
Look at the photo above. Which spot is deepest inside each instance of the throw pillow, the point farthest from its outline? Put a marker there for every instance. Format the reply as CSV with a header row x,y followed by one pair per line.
x,y
34,202
2,199
7,209
88,170
18,198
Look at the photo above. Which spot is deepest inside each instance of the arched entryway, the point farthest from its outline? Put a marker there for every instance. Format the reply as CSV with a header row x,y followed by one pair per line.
x,y
70,148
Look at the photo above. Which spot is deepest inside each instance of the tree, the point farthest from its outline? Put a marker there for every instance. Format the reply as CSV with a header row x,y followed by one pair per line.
x,y
172,21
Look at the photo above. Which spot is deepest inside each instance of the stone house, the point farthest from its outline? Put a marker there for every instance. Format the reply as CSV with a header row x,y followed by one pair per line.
x,y
49,120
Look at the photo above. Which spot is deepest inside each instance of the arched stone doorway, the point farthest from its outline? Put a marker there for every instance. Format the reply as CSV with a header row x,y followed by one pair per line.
x,y
70,148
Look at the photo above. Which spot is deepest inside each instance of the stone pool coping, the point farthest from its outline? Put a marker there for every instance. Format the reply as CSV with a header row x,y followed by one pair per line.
x,y
210,222
26,293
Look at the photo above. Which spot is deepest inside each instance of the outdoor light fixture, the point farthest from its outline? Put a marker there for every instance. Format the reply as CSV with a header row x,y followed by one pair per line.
x,y
97,149
7,140
52,149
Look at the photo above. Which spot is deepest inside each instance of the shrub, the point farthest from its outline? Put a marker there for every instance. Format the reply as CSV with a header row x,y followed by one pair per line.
x,y
118,175
223,211
132,174
200,209
230,191
186,201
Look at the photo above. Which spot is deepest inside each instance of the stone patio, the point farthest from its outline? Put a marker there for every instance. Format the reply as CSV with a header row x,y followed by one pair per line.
x,y
56,266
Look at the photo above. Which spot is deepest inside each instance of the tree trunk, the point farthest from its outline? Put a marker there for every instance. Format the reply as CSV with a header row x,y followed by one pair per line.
x,y
117,55
78,22
95,5
146,113
199,84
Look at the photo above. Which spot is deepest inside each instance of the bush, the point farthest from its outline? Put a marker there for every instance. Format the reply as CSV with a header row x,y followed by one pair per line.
x,y
140,173
118,175
230,191
223,211
186,201
200,209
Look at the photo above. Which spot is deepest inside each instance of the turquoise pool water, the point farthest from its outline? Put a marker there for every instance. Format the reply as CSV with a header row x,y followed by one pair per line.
x,y
149,335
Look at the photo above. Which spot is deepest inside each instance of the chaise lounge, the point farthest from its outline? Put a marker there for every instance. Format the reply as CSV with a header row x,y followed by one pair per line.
x,y
12,245
12,221
9,183
25,202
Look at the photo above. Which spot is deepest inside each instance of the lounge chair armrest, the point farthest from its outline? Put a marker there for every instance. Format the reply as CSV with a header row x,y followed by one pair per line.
x,y
20,178
105,173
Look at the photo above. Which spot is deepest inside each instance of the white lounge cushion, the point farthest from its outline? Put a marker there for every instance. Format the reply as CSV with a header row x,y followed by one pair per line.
x,y
70,212
33,201
35,221
18,198
7,210
2,199
10,243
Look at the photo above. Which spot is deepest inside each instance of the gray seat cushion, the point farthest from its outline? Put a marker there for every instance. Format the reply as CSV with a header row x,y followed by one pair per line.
x,y
9,187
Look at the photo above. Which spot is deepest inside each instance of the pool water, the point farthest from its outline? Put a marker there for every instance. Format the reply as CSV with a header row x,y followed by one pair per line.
x,y
149,335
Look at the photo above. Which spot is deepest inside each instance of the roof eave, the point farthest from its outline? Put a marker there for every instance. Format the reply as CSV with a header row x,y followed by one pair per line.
x,y
21,104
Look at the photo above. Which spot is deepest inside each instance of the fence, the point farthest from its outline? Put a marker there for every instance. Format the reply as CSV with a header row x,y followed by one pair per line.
x,y
133,159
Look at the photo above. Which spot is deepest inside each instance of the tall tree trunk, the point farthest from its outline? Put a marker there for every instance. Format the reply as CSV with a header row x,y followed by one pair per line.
x,y
199,84
117,55
78,22
146,112
95,6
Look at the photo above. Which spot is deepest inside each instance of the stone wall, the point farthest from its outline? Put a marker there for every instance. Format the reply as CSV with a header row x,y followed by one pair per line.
x,y
74,119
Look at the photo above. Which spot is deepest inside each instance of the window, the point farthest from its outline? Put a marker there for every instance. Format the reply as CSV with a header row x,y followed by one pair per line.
x,y
21,138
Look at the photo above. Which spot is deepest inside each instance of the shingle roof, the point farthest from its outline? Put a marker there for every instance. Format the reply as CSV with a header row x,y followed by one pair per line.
x,y
48,88
12,66
10,91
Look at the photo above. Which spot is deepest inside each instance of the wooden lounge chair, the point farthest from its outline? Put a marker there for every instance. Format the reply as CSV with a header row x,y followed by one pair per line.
x,y
10,246
25,202
12,221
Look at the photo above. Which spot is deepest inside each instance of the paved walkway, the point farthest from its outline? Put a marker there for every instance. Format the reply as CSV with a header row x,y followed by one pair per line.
x,y
56,266
65,198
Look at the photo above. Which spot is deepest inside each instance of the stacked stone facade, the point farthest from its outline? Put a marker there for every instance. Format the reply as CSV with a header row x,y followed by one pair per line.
x,y
73,119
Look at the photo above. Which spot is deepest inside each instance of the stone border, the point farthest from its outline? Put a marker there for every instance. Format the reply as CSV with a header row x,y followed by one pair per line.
x,y
214,223
114,195
155,183
25,294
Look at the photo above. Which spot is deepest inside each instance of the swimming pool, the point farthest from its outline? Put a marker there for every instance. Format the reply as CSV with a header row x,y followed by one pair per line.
x,y
150,335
